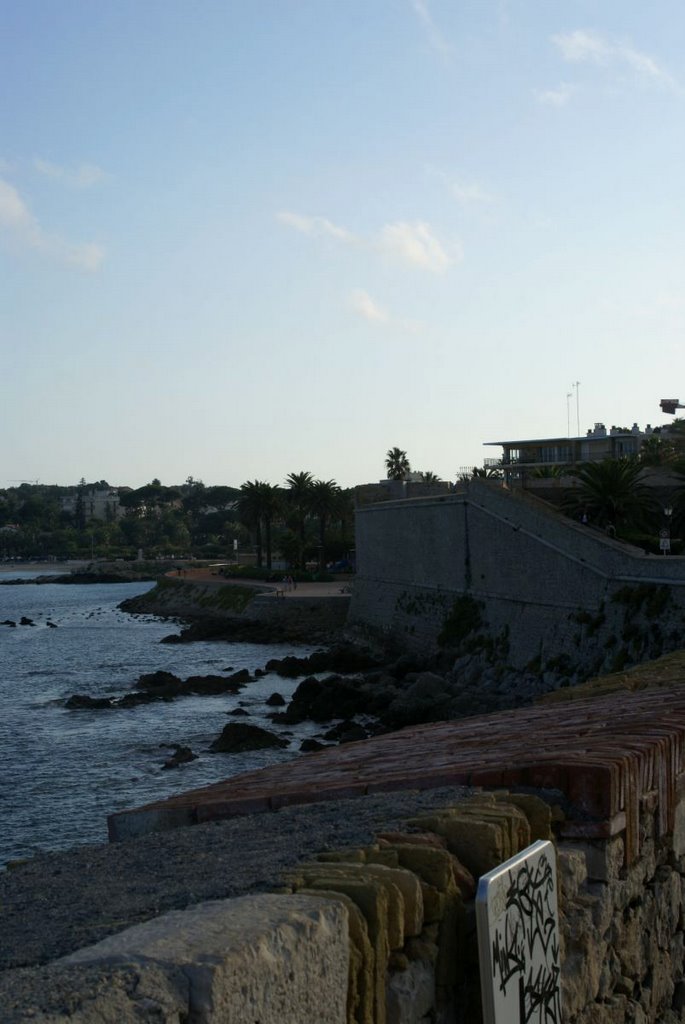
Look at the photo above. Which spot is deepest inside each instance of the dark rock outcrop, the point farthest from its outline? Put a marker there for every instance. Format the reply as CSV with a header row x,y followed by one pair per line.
x,y
340,659
309,745
236,738
81,701
181,755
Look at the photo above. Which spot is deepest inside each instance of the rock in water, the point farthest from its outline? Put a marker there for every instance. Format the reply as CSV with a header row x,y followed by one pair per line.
x,y
81,701
182,755
237,737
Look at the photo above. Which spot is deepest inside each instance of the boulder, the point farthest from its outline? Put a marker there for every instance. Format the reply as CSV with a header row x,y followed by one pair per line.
x,y
181,755
160,683
341,658
276,700
320,700
82,702
212,685
237,737
309,745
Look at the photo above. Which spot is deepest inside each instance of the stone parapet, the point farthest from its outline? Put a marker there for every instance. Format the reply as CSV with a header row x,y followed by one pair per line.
x,y
385,933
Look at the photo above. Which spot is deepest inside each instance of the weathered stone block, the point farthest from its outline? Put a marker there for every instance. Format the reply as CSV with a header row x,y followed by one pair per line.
x,y
81,994
371,896
538,813
412,838
677,954
386,855
410,995
480,845
434,903
572,869
351,854
391,879
500,812
263,958
434,866
604,860
362,969
678,839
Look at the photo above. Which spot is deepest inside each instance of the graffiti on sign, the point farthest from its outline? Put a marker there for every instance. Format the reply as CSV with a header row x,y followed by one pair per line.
x,y
518,939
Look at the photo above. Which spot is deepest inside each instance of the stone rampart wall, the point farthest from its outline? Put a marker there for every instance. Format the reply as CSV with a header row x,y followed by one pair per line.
x,y
385,934
554,587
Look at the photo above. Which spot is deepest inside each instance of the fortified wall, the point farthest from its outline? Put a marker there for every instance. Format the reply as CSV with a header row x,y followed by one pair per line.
x,y
384,932
548,587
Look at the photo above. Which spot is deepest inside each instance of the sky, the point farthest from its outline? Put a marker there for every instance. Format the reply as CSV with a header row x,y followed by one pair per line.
x,y
244,238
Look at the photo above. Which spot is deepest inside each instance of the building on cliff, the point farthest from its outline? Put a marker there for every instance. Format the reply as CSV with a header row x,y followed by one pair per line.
x,y
526,460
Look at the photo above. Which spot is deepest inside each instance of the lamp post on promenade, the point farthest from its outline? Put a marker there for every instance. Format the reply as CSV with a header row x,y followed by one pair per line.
x,y
665,532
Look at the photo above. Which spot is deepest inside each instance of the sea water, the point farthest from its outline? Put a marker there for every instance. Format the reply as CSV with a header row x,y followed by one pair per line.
x,y
62,772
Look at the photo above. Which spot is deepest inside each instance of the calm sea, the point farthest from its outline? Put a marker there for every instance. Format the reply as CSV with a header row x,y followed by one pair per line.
x,y
62,772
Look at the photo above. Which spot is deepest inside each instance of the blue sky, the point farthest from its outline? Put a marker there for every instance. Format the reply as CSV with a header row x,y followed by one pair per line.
x,y
243,239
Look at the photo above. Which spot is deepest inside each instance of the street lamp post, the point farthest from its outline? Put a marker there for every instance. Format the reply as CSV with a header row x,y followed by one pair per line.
x,y
665,532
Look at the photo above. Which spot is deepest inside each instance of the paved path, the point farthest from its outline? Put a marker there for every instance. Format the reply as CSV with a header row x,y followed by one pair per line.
x,y
335,588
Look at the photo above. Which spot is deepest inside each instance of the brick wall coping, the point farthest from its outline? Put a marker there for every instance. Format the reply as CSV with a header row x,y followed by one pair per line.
x,y
605,754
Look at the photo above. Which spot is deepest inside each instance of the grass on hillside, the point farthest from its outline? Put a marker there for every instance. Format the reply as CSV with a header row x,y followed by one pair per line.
x,y
665,672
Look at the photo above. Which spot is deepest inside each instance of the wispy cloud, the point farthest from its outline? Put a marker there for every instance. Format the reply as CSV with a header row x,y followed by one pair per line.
x,y
433,34
363,304
411,243
468,193
582,46
558,97
415,244
317,227
83,176
367,308
17,221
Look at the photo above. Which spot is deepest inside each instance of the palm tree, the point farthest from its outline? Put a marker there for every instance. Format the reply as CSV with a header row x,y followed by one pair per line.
x,y
430,478
396,464
250,512
258,504
658,451
324,502
298,497
613,494
269,504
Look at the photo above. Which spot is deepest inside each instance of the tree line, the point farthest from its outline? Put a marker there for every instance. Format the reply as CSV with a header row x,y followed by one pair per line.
x,y
305,520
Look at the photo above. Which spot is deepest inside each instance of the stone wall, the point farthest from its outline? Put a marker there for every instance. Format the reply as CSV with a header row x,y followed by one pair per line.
x,y
385,934
298,618
549,586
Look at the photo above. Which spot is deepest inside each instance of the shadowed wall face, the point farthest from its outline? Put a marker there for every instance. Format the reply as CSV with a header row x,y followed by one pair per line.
x,y
540,577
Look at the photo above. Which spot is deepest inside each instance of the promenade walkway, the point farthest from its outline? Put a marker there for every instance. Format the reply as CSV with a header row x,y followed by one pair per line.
x,y
210,577
603,756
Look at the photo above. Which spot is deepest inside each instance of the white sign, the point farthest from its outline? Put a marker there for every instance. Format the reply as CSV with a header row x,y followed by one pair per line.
x,y
518,939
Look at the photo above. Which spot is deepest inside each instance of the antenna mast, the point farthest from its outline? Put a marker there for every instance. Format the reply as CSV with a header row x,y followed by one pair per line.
x,y
568,413
576,385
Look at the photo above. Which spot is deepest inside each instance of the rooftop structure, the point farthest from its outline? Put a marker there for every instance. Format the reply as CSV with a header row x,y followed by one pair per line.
x,y
526,458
